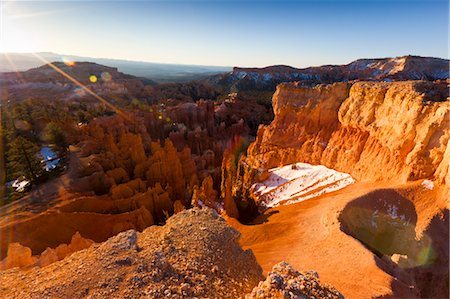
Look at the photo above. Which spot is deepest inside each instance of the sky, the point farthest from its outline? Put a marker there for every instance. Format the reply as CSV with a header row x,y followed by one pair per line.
x,y
228,33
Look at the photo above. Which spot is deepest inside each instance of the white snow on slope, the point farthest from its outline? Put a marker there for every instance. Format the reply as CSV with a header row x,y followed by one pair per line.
x,y
298,182
428,184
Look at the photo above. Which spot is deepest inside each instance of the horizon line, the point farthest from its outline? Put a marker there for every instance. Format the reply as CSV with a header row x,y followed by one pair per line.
x,y
218,66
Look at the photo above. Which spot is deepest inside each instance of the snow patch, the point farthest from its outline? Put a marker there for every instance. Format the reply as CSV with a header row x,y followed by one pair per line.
x,y
393,211
427,184
374,220
51,159
20,185
298,182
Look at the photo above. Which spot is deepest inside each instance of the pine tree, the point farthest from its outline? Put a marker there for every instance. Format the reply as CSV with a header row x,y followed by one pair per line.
x,y
23,159
54,134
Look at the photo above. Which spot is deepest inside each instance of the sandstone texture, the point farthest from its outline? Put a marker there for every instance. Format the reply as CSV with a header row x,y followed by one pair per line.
x,y
196,254
283,281
21,256
126,172
386,236
375,131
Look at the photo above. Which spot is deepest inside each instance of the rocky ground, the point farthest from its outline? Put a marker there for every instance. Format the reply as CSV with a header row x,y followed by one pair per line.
x,y
195,255
286,282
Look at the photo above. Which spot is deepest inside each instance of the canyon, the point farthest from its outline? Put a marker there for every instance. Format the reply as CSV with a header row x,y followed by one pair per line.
x,y
350,179
393,139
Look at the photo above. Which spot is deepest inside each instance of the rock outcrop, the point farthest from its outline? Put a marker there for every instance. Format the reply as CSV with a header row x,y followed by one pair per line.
x,y
196,254
383,134
286,282
375,131
21,256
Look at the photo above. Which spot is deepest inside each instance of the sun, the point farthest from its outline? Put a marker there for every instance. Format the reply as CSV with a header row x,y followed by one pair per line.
x,y
14,34
17,43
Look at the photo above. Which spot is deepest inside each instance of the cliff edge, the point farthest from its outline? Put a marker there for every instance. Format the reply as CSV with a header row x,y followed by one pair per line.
x,y
375,131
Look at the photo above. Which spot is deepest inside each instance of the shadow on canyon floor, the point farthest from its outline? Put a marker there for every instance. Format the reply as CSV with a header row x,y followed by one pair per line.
x,y
429,277
385,222
263,218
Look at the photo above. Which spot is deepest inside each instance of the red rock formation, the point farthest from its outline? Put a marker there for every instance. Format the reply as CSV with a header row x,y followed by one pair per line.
x,y
205,195
18,256
196,254
374,131
21,256
383,134
127,171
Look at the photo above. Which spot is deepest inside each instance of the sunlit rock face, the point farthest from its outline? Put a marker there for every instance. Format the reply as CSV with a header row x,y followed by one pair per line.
x,y
21,256
374,131
379,133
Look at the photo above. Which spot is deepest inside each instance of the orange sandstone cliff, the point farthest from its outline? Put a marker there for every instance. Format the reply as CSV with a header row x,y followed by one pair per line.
x,y
386,236
376,131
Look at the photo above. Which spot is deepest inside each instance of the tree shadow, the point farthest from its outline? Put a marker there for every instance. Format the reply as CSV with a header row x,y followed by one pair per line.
x,y
429,278
274,180
384,222
263,218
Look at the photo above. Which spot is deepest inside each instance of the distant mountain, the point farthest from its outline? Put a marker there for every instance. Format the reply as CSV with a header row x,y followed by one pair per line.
x,y
158,72
45,82
384,69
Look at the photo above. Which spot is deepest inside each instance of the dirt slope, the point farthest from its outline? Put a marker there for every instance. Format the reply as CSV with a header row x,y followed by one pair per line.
x,y
308,235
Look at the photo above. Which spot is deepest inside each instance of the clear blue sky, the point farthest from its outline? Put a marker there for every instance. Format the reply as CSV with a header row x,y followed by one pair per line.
x,y
232,33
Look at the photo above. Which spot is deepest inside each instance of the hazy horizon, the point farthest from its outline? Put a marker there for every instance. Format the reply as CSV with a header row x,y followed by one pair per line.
x,y
64,55
228,33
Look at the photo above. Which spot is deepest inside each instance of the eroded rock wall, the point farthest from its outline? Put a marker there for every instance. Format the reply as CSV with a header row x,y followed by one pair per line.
x,y
376,131
21,256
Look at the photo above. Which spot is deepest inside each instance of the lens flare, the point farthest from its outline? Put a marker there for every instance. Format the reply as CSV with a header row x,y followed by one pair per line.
x,y
426,256
82,86
106,77
93,78
68,62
